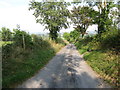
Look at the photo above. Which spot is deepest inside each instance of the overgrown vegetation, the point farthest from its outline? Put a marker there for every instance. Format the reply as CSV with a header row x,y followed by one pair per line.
x,y
25,55
102,53
73,36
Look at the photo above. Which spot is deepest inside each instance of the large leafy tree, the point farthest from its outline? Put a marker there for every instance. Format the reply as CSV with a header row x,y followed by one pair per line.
x,y
82,18
102,17
53,15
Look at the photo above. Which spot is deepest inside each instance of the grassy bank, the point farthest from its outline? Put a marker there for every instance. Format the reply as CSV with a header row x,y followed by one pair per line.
x,y
104,62
103,55
22,64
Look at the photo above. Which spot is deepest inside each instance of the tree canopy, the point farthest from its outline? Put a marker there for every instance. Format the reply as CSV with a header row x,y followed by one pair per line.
x,y
6,34
82,18
53,15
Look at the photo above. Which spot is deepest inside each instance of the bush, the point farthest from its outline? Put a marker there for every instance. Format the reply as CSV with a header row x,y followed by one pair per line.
x,y
39,42
111,39
83,42
6,34
61,41
7,51
74,36
66,36
22,39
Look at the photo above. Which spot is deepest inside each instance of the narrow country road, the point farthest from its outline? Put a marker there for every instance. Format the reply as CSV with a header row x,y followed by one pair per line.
x,y
66,70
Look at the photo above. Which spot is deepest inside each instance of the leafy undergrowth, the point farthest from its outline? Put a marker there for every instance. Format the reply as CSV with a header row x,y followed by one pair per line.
x,y
21,66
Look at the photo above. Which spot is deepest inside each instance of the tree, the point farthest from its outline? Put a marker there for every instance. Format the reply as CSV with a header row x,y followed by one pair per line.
x,y
6,34
81,17
102,17
53,15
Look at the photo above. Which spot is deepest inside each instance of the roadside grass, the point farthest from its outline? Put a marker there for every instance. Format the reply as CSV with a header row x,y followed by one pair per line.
x,y
103,61
103,55
18,69
106,64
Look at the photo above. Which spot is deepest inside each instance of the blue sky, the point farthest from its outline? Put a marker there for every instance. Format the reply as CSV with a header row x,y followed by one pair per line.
x,y
13,12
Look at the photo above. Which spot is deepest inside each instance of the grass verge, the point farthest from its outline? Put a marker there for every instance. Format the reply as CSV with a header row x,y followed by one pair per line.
x,y
20,68
105,63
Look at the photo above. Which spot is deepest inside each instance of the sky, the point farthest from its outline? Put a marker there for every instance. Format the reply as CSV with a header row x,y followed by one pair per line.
x,y
13,12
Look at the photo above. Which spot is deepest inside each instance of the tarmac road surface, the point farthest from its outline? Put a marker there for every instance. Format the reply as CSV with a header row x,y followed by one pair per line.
x,y
66,70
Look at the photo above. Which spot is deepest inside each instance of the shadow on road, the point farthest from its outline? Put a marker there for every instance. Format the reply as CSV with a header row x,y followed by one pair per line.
x,y
66,70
